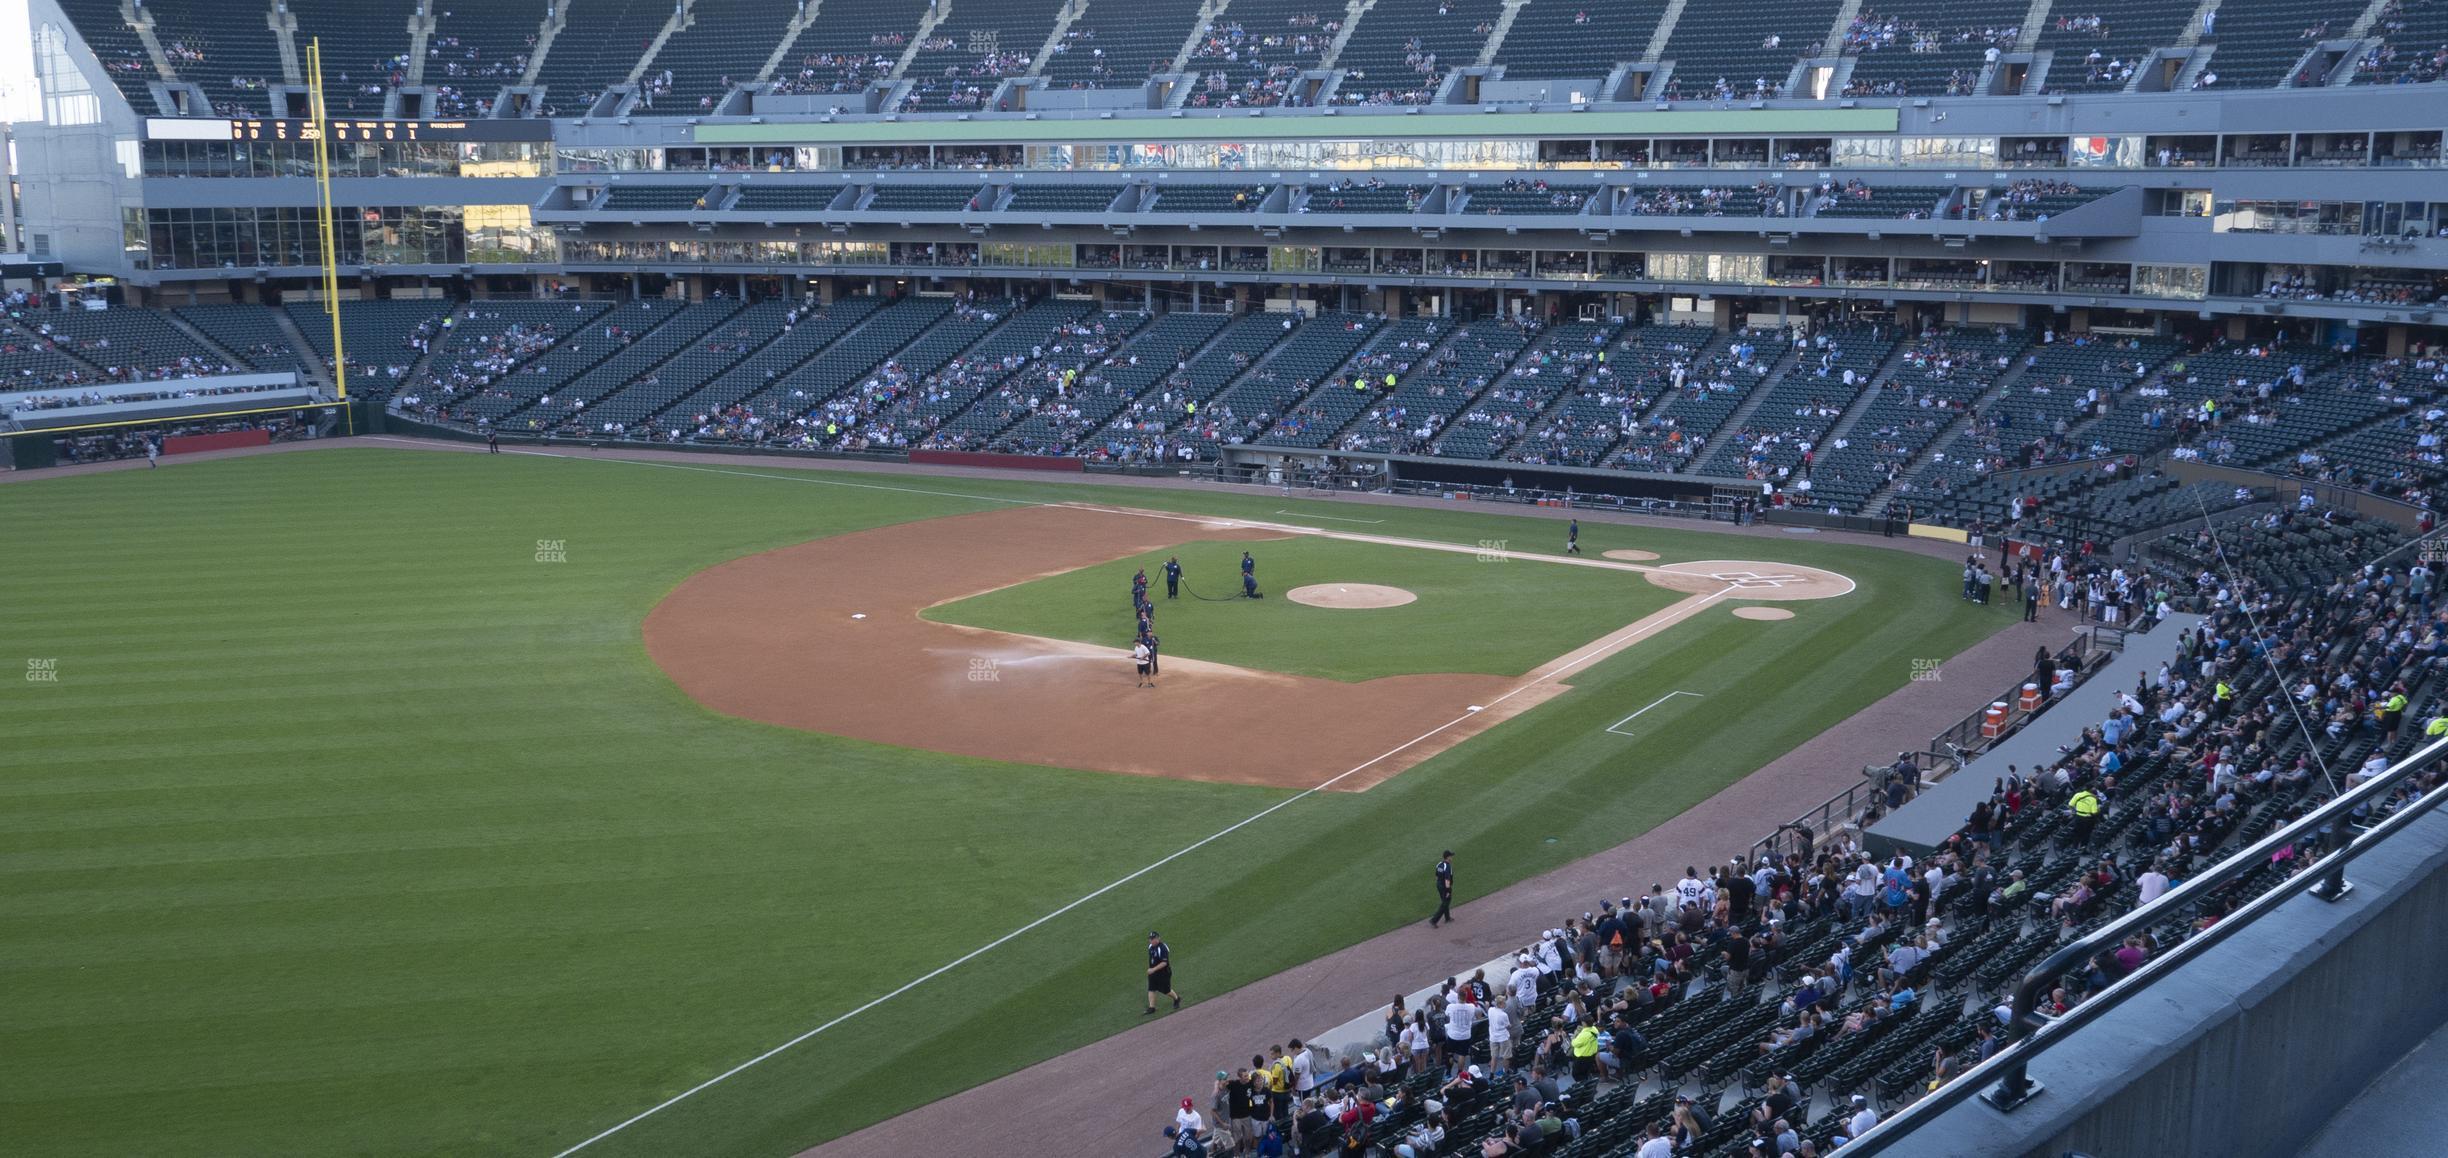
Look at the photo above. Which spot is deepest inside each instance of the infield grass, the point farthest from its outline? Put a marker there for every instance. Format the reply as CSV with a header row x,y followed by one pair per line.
x,y
1491,616
354,825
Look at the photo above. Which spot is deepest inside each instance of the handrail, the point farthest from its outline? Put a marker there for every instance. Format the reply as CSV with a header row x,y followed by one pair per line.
x,y
2033,1035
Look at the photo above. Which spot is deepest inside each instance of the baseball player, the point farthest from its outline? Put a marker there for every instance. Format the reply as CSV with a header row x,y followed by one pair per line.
x,y
1572,538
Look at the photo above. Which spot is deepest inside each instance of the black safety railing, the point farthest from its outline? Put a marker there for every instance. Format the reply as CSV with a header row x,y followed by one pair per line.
x,y
2004,1080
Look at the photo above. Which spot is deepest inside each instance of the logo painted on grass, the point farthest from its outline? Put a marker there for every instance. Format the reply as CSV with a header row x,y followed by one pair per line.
x,y
42,671
552,551
983,671
1492,551
1925,671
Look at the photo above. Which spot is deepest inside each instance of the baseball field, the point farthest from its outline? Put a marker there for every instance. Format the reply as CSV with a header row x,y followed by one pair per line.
x,y
391,802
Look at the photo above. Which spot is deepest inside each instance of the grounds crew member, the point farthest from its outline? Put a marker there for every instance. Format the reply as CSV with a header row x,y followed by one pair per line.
x,y
1160,972
1249,576
1444,888
2086,806
1172,574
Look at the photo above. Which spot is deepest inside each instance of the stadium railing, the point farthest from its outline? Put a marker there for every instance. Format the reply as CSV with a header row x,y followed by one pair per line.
x,y
2004,1080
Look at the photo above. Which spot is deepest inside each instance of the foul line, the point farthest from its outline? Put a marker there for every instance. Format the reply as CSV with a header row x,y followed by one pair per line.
x,y
1328,518
1595,652
1661,699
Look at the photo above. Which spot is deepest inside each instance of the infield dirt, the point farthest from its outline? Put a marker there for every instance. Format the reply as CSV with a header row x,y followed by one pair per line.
x,y
827,636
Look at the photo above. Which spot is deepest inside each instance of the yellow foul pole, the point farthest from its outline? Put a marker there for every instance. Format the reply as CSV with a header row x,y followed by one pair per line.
x,y
331,251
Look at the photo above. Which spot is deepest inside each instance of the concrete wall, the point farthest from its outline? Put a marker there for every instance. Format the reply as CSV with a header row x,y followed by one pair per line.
x,y
2250,1050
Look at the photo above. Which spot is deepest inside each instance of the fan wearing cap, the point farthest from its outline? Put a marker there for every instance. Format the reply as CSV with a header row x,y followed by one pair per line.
x,y
1187,1119
1160,972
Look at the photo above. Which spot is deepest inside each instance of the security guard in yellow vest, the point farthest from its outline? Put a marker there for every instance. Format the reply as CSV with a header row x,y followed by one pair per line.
x,y
2086,806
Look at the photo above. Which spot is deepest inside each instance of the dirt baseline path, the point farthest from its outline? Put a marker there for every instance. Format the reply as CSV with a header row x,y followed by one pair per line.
x,y
772,638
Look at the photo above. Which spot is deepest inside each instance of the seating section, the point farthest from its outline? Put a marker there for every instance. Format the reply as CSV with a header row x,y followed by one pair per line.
x,y
29,361
597,48
2096,52
663,198
923,198
1527,197
1609,400
128,345
482,345
1705,386
881,409
1062,198
1251,56
2414,49
635,395
1208,198
1927,47
365,42
1938,379
1391,350
850,44
1050,364
2225,375
1503,414
116,45
549,366
2257,42
971,51
1402,49
2036,200
1372,196
1577,39
786,198
1698,200
475,49
1306,359
1151,427
637,363
1055,423
1801,405
1743,45
1890,201
384,338
1415,415
2033,420
1117,43
716,410
234,57
726,43
250,332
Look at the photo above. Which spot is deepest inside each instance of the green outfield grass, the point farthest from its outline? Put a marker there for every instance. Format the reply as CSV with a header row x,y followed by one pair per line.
x,y
1473,615
350,827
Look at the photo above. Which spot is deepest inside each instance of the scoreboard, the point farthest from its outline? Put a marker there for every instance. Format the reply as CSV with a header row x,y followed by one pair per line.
x,y
353,129
390,130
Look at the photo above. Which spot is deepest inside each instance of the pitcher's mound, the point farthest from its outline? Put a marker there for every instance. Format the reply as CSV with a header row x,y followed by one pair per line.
x,y
1762,613
1631,556
1349,595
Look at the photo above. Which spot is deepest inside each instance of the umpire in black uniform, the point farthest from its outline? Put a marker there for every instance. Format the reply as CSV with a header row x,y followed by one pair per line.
x,y
1160,972
1444,883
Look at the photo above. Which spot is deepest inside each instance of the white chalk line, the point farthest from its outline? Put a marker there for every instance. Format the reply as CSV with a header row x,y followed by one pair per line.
x,y
1328,518
1636,715
1595,651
